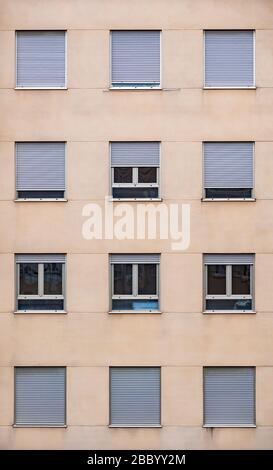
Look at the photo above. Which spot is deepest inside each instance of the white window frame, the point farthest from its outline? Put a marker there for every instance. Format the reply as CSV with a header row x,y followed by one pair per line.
x,y
135,183
40,295
65,87
228,295
134,295
252,87
135,87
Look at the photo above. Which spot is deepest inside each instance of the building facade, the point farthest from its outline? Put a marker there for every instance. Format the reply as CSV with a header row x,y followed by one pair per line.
x,y
114,342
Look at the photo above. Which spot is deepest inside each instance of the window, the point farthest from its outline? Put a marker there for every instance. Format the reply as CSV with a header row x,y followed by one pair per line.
x,y
135,170
135,396
228,282
135,280
40,396
40,170
229,396
40,59
40,282
135,59
228,170
229,59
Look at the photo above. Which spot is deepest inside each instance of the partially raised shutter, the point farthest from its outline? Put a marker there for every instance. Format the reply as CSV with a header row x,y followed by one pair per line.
x,y
135,58
40,258
135,154
40,166
40,59
229,396
40,396
229,58
228,164
135,396
217,258
149,258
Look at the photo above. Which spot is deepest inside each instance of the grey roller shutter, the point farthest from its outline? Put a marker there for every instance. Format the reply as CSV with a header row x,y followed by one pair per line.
x,y
135,58
216,258
135,396
135,154
40,59
40,396
40,166
229,58
229,396
135,258
228,164
40,258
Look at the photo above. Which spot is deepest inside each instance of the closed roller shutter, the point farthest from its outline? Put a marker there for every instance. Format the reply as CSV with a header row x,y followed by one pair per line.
x,y
40,59
134,258
135,154
40,396
229,396
40,258
216,258
135,396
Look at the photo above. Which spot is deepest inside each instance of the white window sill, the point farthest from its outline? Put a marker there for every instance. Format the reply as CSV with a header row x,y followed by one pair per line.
x,y
132,88
228,311
41,311
229,88
62,426
229,426
134,311
137,199
156,426
41,200
226,199
40,88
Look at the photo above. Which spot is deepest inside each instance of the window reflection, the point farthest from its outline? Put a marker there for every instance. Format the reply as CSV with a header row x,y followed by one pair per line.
x,y
28,278
216,279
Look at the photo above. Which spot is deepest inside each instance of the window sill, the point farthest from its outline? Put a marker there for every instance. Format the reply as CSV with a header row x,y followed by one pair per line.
x,y
41,200
58,426
227,199
229,88
137,199
229,312
131,88
156,426
41,311
229,426
134,311
40,88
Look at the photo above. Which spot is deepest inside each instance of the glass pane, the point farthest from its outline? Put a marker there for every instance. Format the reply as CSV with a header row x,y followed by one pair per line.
x,y
41,304
219,193
133,192
229,304
147,175
53,279
241,280
216,279
28,279
123,279
147,279
123,175
135,304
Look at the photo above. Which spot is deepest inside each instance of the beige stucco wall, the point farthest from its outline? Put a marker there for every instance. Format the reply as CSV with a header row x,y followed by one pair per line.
x,y
181,340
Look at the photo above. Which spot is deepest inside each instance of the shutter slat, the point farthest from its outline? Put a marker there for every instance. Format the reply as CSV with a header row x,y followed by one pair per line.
x,y
229,396
135,258
135,57
40,58
40,166
135,154
135,396
40,396
40,258
229,58
228,164
217,258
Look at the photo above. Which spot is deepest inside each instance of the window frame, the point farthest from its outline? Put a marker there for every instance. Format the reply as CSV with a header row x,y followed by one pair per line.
x,y
252,87
228,295
65,87
40,295
135,87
